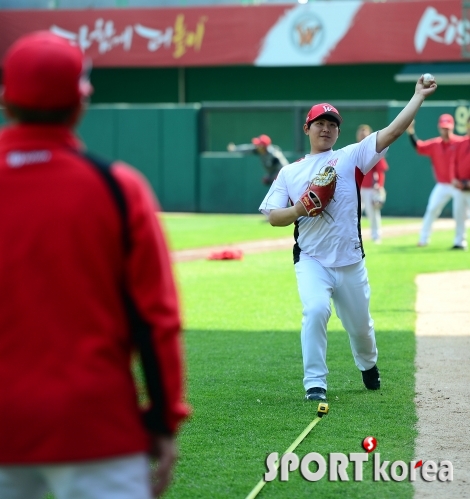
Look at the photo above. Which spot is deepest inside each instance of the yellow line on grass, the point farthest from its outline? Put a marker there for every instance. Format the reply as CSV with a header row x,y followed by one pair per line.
x,y
299,439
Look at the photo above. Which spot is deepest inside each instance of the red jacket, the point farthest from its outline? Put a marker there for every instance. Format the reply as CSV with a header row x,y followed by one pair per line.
x,y
460,168
66,389
441,154
379,169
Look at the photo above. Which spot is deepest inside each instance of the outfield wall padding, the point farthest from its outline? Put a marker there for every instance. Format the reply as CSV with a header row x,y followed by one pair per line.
x,y
231,183
160,141
164,141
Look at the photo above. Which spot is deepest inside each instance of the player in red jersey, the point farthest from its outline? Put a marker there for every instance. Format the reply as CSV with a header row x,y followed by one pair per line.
x,y
373,189
460,175
441,151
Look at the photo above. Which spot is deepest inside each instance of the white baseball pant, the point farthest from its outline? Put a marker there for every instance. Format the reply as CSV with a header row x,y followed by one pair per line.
x,y
461,211
372,213
120,478
439,197
349,289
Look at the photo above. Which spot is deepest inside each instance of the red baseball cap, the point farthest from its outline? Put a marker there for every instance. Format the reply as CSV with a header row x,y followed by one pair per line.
x,y
323,109
262,140
446,121
44,71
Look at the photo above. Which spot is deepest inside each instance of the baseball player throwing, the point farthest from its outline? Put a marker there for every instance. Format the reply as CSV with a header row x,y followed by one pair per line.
x,y
271,156
328,251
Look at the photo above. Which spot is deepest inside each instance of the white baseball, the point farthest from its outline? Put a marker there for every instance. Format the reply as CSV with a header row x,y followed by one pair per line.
x,y
428,79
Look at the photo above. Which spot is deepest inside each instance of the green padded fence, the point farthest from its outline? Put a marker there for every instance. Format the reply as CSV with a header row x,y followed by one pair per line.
x,y
159,140
181,149
232,182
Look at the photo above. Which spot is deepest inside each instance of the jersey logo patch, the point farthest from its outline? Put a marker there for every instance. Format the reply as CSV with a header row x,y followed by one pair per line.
x,y
17,159
332,162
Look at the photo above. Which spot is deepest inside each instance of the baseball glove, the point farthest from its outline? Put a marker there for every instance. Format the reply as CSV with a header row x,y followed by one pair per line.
x,y
379,196
319,192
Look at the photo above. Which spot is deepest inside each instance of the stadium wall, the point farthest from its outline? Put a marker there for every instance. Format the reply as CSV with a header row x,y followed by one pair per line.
x,y
179,153
160,141
166,143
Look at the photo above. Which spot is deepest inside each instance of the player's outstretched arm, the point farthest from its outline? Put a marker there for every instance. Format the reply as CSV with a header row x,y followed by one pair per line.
x,y
282,217
389,134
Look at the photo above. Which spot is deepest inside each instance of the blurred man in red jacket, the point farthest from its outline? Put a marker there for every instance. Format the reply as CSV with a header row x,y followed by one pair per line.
x,y
460,177
85,282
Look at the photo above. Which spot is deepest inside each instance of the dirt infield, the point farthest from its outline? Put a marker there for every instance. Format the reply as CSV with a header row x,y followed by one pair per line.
x,y
443,379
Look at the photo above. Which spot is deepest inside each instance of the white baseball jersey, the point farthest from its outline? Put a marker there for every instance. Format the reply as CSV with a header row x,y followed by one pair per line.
x,y
336,241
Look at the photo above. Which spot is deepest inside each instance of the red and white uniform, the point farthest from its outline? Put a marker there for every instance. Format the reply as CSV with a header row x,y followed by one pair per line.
x,y
460,170
441,154
329,256
460,167
372,180
66,389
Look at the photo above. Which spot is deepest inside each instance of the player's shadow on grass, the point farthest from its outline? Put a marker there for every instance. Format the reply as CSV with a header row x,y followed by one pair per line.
x,y
416,250
269,363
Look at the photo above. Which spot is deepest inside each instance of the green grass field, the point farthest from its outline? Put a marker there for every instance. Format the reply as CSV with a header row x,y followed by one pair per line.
x,y
197,230
244,370
244,367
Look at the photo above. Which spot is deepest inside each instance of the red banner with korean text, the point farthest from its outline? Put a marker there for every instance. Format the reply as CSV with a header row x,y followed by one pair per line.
x,y
318,33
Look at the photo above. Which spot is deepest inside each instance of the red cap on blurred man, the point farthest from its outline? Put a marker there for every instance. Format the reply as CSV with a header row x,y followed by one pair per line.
x,y
44,71
323,109
262,140
446,121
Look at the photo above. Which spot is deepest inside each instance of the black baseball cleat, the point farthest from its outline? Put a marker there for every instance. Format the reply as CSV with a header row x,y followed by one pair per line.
x,y
316,393
371,378
459,247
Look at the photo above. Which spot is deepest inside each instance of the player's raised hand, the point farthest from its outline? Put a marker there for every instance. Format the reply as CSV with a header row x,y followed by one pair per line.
x,y
426,85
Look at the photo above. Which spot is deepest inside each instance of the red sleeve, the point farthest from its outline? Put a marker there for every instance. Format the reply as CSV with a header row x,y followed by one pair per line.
x,y
381,168
152,289
368,179
382,165
425,147
460,162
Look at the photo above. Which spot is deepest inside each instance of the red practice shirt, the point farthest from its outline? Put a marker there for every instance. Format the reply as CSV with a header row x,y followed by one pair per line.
x,y
66,389
380,168
441,155
461,166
